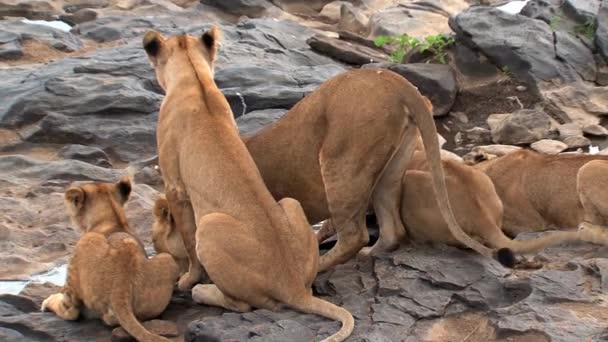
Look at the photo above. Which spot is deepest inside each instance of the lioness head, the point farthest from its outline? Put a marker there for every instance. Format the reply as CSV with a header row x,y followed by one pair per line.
x,y
180,49
93,205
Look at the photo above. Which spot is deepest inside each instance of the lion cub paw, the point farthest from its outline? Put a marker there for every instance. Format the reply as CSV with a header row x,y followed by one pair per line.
x,y
186,282
61,306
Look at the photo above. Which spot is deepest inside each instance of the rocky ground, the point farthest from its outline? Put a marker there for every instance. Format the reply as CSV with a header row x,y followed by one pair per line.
x,y
82,105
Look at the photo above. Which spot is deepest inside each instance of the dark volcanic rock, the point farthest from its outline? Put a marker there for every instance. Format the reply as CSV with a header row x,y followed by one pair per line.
x,y
89,154
544,10
345,51
30,9
435,81
250,8
505,40
252,122
16,167
14,32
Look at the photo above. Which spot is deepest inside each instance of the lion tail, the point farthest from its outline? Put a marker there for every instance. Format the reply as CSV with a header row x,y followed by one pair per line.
x,y
311,304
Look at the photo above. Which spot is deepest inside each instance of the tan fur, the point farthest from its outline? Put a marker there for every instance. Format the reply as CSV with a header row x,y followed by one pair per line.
x,y
257,252
549,191
478,208
109,273
165,237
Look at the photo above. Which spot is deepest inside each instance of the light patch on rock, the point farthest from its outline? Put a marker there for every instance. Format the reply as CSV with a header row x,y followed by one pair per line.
x,y
56,24
513,7
549,146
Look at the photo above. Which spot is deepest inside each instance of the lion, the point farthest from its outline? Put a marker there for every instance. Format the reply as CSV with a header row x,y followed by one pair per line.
x,y
478,209
541,191
109,273
257,252
165,237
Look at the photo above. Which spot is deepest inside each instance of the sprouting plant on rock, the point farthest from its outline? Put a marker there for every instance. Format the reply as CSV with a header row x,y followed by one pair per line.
x,y
555,20
436,44
587,29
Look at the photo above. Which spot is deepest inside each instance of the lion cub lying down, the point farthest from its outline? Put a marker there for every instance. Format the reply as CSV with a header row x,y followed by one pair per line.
x,y
109,275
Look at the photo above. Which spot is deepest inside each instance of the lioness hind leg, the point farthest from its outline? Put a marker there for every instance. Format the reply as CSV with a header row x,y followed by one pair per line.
x,y
209,294
592,180
63,305
386,198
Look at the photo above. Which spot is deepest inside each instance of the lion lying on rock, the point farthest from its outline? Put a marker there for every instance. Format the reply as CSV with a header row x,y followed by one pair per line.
x,y
109,275
257,252
478,209
541,191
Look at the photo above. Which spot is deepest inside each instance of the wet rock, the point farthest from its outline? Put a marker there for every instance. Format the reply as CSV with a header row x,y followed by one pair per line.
x,y
89,154
252,122
595,130
435,81
549,146
502,38
601,31
345,51
522,127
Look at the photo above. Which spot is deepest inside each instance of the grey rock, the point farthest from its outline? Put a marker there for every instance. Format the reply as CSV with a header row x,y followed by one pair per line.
x,y
569,130
11,50
576,141
352,19
582,10
576,55
435,81
544,10
30,9
577,103
80,16
16,31
415,21
331,11
601,31
479,135
595,130
549,146
89,154
504,39
112,28
252,122
522,127
72,6
250,8
301,6
344,51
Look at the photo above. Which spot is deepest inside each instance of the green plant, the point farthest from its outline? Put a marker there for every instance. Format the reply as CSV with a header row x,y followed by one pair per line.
x,y
436,44
587,29
404,44
555,20
505,69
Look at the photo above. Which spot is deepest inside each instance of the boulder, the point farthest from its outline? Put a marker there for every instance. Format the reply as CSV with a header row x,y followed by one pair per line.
x,y
250,8
578,103
345,51
582,10
13,33
601,31
595,130
353,20
504,39
549,146
30,9
435,81
89,154
522,127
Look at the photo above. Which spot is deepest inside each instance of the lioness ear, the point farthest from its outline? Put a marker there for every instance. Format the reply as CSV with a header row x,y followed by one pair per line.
x,y
124,188
152,43
211,41
75,197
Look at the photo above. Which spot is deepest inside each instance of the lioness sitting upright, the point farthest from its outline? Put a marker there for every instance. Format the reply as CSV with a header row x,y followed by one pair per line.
x,y
109,274
257,252
549,191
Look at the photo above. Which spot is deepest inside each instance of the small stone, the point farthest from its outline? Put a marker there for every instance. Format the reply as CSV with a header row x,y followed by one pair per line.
x,y
460,116
569,130
479,135
521,88
458,138
577,141
596,130
496,149
156,326
549,146
521,127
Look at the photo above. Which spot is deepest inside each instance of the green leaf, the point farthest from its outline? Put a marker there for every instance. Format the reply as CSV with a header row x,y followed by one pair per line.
x,y
382,40
398,56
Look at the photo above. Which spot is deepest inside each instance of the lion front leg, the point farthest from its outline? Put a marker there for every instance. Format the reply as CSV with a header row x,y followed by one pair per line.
x,y
63,305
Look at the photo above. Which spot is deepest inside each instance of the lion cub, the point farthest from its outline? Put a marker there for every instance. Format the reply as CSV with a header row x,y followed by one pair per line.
x,y
165,237
109,273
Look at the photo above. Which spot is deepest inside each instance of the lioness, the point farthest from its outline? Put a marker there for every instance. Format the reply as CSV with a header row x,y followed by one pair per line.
x,y
165,237
541,191
479,210
258,253
109,273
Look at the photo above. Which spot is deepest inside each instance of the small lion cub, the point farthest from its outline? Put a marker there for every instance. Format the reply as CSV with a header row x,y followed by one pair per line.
x,y
109,272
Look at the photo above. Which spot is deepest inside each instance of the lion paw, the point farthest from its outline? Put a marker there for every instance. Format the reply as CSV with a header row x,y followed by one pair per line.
x,y
51,302
61,306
